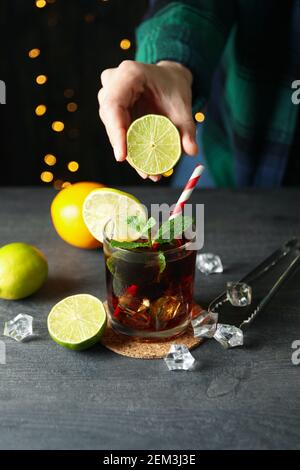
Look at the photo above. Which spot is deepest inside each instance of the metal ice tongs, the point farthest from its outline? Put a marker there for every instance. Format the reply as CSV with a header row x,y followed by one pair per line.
x,y
265,280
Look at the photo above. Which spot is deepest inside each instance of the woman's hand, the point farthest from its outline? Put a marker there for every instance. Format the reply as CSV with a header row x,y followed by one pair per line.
x,y
134,89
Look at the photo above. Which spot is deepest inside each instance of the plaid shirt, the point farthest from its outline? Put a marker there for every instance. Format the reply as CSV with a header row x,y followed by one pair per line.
x,y
244,56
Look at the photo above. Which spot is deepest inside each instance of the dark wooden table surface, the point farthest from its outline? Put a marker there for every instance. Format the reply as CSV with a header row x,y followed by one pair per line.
x,y
245,398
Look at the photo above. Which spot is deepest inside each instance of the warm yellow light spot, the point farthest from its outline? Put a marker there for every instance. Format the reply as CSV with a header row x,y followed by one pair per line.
x,y
46,176
34,53
72,107
41,3
41,79
73,166
89,18
68,93
40,110
58,126
199,117
168,173
50,159
125,44
65,184
58,184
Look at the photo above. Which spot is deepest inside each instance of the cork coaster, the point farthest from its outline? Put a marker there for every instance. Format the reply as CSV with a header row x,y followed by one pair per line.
x,y
130,347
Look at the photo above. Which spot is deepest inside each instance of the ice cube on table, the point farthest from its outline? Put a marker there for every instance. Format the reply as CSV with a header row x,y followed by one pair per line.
x,y
239,294
205,324
209,263
179,358
19,327
165,309
229,336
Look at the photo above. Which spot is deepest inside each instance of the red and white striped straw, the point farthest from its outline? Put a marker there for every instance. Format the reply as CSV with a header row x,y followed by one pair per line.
x,y
186,193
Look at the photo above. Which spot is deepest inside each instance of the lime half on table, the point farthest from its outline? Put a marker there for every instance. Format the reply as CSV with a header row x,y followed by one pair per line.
x,y
153,144
105,204
77,322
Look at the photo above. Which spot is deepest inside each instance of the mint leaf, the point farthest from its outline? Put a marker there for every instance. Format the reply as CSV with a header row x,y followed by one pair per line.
x,y
128,245
162,262
111,265
135,222
139,225
173,228
119,286
113,261
149,224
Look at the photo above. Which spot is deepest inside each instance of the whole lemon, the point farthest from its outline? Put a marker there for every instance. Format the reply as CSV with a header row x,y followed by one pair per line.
x,y
66,213
23,270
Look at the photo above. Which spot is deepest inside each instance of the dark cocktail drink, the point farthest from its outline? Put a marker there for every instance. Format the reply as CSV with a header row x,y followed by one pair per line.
x,y
150,288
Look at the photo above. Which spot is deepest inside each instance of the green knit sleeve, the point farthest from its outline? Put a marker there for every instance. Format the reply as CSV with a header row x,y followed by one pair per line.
x,y
192,32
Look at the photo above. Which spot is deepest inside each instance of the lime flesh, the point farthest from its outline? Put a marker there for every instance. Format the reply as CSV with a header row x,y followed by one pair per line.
x,y
106,204
77,322
153,144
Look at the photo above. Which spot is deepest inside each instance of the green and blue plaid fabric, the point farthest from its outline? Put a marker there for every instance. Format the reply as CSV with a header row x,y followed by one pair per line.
x,y
244,56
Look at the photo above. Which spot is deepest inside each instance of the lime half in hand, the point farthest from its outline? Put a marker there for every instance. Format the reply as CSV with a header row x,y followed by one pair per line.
x,y
153,144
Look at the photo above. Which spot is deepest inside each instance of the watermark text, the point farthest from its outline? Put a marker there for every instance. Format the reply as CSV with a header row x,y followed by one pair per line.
x,y
296,93
296,353
2,92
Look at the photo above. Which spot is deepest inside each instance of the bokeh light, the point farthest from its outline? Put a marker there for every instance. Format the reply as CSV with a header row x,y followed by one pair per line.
x,y
50,159
200,117
41,79
65,184
58,126
34,53
40,110
47,176
125,44
41,3
72,107
89,18
168,173
69,93
73,166
58,184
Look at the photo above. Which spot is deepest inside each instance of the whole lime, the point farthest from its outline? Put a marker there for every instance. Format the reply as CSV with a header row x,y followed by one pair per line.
x,y
23,270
